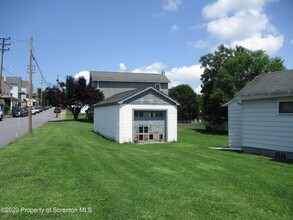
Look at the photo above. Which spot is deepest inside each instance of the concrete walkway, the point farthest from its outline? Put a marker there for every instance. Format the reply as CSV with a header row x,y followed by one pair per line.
x,y
60,117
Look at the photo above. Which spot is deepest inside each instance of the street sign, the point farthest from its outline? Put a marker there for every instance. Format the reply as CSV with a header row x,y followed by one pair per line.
x,y
29,102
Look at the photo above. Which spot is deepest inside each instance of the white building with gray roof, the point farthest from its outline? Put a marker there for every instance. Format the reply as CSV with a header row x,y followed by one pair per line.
x,y
260,117
138,116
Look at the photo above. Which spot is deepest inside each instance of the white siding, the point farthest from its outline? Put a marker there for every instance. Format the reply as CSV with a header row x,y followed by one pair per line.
x,y
234,124
172,124
126,120
14,91
264,128
106,121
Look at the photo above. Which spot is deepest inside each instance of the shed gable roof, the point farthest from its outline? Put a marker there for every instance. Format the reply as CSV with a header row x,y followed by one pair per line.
x,y
128,77
268,85
122,97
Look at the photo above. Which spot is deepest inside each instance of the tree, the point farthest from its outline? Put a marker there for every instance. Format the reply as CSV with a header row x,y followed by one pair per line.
x,y
188,110
45,96
228,70
75,95
56,96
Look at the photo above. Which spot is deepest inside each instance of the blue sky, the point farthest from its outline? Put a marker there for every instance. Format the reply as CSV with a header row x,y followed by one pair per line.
x,y
70,36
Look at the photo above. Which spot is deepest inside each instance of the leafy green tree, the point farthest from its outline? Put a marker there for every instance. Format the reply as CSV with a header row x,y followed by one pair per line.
x,y
188,110
228,70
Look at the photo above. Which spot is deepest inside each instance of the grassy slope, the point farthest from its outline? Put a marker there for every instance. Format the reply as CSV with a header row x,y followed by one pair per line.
x,y
65,165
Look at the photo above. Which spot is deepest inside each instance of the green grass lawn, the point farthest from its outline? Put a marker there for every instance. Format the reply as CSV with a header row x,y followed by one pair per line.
x,y
64,166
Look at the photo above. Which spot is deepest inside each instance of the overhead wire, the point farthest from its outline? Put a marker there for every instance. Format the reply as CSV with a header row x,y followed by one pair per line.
x,y
15,58
11,74
42,76
20,60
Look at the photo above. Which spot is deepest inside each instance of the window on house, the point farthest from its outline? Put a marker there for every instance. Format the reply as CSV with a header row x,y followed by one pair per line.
x,y
286,107
138,114
135,114
158,86
151,137
96,84
140,129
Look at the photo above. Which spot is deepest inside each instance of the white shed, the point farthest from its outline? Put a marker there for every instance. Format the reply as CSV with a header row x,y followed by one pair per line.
x,y
260,117
138,116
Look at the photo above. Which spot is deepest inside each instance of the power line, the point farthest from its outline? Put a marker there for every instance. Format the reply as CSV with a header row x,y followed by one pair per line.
x,y
34,58
16,58
19,41
40,70
11,74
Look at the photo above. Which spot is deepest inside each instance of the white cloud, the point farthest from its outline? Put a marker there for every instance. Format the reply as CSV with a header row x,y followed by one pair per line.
x,y
222,8
157,67
244,23
174,28
171,5
269,43
198,44
197,90
122,67
240,26
198,27
85,74
178,75
185,75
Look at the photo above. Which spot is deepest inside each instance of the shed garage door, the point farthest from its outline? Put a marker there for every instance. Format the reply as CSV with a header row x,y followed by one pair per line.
x,y
149,126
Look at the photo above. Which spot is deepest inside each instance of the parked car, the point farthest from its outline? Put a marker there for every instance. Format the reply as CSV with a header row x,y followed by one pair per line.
x,y
20,112
39,109
34,111
1,115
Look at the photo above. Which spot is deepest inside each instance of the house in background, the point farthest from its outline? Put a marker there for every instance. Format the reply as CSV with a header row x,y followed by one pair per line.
x,y
25,92
11,92
260,117
111,83
138,116
15,93
5,87
15,86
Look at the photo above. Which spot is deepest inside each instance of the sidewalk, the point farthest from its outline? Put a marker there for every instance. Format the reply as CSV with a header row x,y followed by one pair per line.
x,y
61,116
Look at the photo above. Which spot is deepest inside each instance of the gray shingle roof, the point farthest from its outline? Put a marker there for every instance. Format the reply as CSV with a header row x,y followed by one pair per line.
x,y
123,96
269,84
128,77
13,80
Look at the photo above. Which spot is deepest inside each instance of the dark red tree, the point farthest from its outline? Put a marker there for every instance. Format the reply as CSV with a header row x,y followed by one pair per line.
x,y
75,95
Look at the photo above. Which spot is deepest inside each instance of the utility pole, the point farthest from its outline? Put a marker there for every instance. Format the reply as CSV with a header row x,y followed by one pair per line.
x,y
30,118
3,49
41,103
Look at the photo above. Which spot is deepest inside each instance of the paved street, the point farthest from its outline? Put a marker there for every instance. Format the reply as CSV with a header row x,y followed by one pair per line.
x,y
13,128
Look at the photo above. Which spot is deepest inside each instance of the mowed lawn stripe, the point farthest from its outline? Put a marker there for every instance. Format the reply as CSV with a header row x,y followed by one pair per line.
x,y
65,165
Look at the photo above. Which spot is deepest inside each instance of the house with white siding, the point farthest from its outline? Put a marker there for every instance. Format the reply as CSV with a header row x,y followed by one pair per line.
x,y
260,117
138,116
